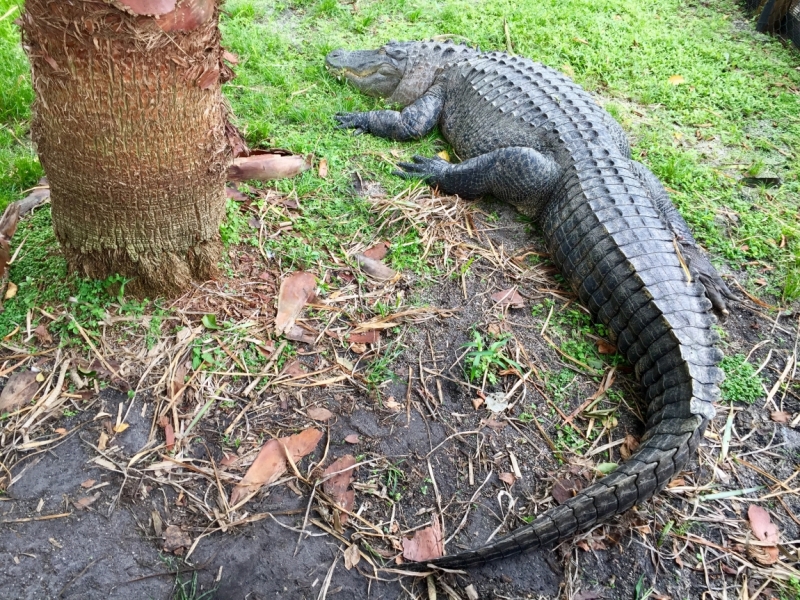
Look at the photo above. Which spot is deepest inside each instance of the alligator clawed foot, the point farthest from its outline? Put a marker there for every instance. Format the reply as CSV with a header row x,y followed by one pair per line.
x,y
355,121
425,168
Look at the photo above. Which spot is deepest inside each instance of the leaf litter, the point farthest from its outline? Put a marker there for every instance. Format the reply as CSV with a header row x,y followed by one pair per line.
x,y
248,401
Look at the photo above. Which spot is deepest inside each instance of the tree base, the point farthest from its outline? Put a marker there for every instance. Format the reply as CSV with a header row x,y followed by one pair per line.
x,y
163,274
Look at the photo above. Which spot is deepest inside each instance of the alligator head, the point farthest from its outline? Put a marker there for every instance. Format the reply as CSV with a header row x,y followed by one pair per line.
x,y
401,72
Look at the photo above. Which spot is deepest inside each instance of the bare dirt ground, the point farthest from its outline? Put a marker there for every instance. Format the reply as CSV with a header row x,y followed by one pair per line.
x,y
94,498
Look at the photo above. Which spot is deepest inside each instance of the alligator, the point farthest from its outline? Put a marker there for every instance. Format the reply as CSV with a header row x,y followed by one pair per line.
x,y
528,135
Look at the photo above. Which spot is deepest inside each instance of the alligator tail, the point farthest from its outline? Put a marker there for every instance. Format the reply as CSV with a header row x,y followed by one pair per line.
x,y
609,240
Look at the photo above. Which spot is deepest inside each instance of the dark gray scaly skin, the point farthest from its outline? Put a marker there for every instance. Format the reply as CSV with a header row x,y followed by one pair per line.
x,y
528,135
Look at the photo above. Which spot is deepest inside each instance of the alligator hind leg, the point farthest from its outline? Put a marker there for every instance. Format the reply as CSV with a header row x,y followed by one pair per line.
x,y
517,175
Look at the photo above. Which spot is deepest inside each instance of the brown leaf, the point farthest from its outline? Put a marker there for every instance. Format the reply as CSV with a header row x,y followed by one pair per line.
x,y
764,529
425,545
336,486
676,79
39,195
85,502
352,439
604,347
265,167
370,337
230,57
780,416
60,431
323,168
169,436
507,478
492,424
564,489
188,16
209,79
178,379
351,557
43,335
510,298
295,291
88,483
175,539
589,595
378,251
11,291
102,442
149,7
358,348
375,268
294,368
300,334
629,446
234,194
270,463
20,389
8,226
228,459
319,414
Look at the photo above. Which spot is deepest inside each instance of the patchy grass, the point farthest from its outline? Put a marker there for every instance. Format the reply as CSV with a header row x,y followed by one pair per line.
x,y
741,384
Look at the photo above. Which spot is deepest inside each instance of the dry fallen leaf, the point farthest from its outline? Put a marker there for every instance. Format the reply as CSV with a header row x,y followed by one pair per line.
x,y
121,427
780,416
378,251
234,194
149,7
628,446
295,291
507,478
178,379
264,167
20,389
763,528
43,335
323,168
8,226
11,291
370,337
564,489
300,334
393,404
676,79
102,443
176,539
509,297
319,414
766,531
270,463
352,438
336,486
85,502
293,368
351,557
425,545
358,348
604,347
375,268
88,483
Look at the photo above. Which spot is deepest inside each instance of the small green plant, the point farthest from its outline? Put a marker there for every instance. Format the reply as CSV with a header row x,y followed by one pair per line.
x,y
486,359
392,478
230,230
741,382
189,589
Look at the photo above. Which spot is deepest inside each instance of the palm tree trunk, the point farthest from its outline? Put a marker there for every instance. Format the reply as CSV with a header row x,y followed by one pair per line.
x,y
129,122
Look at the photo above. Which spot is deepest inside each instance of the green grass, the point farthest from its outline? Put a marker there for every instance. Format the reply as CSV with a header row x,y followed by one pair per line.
x,y
741,382
737,112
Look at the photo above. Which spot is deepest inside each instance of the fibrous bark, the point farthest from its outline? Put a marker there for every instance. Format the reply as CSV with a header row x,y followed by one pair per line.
x,y
129,122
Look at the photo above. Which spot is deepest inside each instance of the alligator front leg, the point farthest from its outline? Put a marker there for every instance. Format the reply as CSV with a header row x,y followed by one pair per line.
x,y
415,121
517,175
